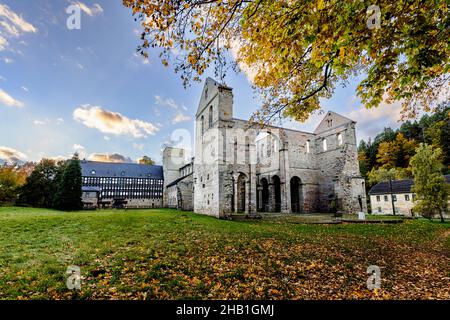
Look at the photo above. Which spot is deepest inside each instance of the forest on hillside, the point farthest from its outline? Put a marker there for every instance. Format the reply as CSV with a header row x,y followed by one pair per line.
x,y
388,155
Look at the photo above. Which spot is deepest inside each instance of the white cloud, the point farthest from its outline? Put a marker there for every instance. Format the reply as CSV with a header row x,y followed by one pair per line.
x,y
79,66
106,138
308,126
115,157
372,121
8,60
12,30
24,88
43,122
112,122
137,59
250,72
170,103
166,102
3,43
58,158
6,99
18,23
70,61
138,146
179,117
12,26
11,155
78,148
369,122
93,11
40,122
156,111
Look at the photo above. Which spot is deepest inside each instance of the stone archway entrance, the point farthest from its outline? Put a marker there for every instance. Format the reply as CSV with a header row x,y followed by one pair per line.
x,y
276,194
296,195
241,193
264,195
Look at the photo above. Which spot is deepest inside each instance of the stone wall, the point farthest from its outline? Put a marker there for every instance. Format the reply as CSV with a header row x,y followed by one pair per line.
x,y
138,203
171,200
173,160
185,194
341,184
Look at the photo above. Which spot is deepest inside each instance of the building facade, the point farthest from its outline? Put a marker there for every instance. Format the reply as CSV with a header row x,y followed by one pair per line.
x,y
129,185
394,197
240,168
180,192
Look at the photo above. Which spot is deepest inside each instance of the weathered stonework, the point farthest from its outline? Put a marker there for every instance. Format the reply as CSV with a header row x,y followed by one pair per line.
x,y
237,168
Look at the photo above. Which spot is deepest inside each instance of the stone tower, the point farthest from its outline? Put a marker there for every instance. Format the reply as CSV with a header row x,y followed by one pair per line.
x,y
173,160
215,106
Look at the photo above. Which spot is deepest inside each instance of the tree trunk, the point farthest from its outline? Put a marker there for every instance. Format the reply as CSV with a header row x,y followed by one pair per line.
x,y
442,216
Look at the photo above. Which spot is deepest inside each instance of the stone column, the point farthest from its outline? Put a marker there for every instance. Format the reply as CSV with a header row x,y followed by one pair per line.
x,y
285,179
259,200
248,195
252,191
235,209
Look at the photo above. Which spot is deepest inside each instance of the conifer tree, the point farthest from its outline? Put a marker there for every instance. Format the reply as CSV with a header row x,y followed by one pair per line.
x,y
68,194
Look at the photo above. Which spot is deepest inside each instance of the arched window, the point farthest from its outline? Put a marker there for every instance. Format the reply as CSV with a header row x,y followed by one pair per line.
x,y
202,120
307,147
324,144
339,138
210,116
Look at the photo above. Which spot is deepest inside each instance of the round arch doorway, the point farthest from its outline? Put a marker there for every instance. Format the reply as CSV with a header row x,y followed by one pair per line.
x,y
296,195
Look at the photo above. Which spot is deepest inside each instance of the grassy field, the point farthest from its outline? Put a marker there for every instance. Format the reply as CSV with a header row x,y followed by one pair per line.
x,y
165,254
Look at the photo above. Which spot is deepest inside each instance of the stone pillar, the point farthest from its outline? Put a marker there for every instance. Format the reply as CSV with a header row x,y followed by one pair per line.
x,y
285,179
252,191
248,196
235,209
259,199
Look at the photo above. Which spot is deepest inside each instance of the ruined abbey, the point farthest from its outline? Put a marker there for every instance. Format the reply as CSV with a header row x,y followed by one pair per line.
x,y
240,169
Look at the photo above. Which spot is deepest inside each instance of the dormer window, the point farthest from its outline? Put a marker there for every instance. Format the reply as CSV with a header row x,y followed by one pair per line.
x,y
93,172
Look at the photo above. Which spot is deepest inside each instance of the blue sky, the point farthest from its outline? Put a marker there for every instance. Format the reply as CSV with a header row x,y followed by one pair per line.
x,y
86,90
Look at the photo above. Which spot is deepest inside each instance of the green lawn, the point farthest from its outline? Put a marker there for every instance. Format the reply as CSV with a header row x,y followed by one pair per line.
x,y
165,254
